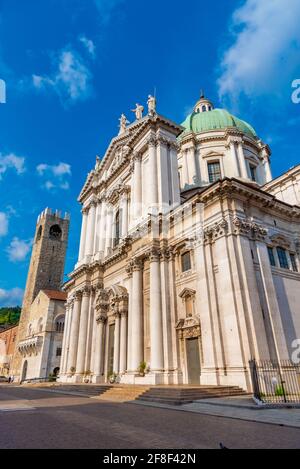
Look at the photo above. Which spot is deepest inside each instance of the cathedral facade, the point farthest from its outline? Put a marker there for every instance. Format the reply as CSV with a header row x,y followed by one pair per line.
x,y
188,262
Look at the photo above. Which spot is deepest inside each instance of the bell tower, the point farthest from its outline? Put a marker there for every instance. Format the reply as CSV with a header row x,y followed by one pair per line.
x,y
46,267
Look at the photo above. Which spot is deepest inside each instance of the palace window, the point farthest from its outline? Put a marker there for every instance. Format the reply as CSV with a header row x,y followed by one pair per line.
x,y
282,257
58,352
214,171
186,261
271,256
252,172
293,262
117,229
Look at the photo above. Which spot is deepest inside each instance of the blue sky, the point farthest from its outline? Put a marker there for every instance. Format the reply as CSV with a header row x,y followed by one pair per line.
x,y
72,67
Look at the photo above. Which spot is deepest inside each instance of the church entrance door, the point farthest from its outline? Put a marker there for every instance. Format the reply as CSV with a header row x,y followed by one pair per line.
x,y
193,360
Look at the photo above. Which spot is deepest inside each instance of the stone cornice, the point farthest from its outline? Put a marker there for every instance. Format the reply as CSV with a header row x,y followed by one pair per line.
x,y
230,188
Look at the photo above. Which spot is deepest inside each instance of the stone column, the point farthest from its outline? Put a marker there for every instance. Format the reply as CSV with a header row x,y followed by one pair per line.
x,y
109,222
116,344
136,201
242,161
137,337
83,331
267,168
89,341
75,318
99,346
233,157
83,234
174,174
90,230
123,339
97,229
64,342
193,177
274,315
156,334
102,230
185,174
124,215
129,329
152,181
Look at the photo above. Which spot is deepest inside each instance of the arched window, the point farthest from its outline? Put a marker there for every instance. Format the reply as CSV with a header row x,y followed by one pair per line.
x,y
55,232
203,108
117,228
60,324
186,261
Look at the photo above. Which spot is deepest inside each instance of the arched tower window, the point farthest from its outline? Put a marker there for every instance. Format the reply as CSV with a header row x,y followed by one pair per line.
x,y
60,324
55,232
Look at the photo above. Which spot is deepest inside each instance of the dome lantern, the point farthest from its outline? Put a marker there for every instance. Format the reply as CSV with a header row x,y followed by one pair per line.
x,y
203,104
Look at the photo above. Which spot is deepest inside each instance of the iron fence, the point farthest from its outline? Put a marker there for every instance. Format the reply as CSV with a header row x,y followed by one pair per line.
x,y
275,381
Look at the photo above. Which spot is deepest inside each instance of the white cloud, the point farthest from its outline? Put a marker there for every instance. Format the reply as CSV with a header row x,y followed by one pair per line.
x,y
57,170
55,175
89,45
106,9
11,161
3,224
70,81
11,297
264,55
18,249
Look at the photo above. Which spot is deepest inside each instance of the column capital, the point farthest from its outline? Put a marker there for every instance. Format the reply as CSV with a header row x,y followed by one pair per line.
x,y
78,295
137,264
101,318
85,210
152,141
154,254
137,156
86,291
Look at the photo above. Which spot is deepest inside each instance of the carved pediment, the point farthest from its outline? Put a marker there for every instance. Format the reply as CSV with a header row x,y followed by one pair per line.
x,y
212,154
280,240
187,293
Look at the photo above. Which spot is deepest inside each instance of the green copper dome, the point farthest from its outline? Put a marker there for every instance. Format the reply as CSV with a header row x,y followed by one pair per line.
x,y
213,120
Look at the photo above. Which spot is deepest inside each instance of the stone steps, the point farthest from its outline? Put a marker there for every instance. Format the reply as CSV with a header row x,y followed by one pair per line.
x,y
123,393
179,396
172,395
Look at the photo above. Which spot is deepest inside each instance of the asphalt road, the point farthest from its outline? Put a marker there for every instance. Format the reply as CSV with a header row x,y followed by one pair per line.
x,y
30,418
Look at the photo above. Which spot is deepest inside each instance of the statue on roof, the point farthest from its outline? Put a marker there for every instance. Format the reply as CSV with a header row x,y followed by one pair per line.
x,y
139,109
151,105
123,122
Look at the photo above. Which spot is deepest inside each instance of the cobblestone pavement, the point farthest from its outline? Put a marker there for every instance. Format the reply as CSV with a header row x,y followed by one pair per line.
x,y
30,418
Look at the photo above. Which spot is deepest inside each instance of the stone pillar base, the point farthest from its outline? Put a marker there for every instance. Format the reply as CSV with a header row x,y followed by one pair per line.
x,y
209,376
97,379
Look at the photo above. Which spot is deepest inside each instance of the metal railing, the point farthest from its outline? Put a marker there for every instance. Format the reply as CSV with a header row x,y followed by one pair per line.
x,y
275,381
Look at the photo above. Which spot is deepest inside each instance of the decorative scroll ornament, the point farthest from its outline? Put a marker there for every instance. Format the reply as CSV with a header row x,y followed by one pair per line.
x,y
215,231
248,227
